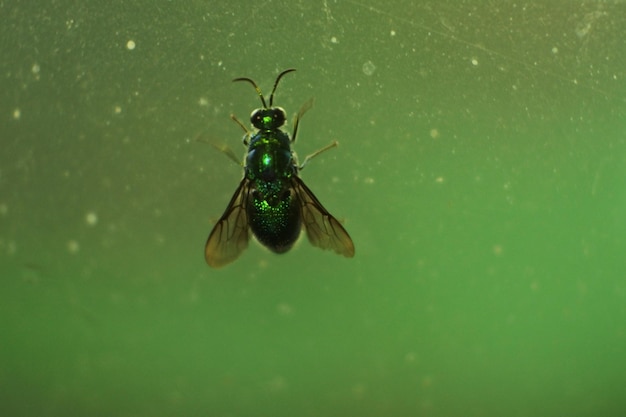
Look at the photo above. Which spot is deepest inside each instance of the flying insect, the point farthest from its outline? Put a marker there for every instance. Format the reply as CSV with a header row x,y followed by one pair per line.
x,y
272,202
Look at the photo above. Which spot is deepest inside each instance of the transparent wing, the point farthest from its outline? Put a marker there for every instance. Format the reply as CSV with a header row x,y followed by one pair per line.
x,y
322,229
229,236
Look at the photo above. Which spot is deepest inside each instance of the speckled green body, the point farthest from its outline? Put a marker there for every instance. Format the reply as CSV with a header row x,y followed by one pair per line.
x,y
271,201
273,209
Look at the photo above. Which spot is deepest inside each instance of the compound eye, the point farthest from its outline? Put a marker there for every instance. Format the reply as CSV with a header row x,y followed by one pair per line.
x,y
279,116
256,118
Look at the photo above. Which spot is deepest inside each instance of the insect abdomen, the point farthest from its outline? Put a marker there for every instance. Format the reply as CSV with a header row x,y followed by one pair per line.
x,y
276,221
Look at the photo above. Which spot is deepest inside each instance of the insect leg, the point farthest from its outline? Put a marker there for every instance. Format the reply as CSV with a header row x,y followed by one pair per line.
x,y
305,107
317,152
225,149
245,129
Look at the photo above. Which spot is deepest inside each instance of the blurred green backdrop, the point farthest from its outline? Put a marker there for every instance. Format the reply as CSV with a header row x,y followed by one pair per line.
x,y
481,173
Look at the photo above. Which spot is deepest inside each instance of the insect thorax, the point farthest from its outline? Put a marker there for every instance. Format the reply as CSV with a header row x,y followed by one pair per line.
x,y
269,157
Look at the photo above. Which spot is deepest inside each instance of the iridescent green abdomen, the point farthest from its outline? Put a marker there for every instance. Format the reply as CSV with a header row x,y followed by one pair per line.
x,y
275,220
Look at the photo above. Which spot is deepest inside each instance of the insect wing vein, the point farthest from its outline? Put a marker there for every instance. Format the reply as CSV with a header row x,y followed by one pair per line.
x,y
230,235
322,229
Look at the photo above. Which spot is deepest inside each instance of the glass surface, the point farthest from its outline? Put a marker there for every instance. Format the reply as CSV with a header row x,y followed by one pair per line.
x,y
480,172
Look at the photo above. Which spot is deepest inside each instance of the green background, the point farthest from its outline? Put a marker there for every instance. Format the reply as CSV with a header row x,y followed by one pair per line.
x,y
481,174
